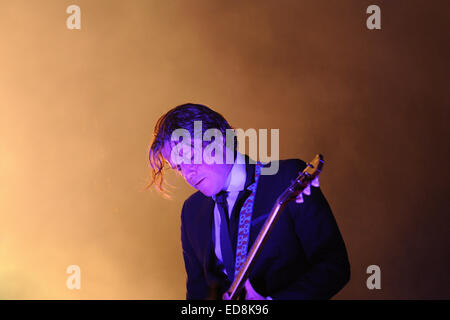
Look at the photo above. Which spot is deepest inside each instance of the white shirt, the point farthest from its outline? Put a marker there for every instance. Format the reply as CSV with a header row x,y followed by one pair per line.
x,y
235,183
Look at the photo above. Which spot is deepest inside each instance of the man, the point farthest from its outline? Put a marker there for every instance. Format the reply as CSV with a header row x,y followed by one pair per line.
x,y
305,256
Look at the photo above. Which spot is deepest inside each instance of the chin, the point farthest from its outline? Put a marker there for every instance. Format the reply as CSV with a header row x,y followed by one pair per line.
x,y
208,189
207,193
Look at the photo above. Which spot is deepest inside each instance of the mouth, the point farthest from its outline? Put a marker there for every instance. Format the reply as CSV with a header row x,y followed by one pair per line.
x,y
198,183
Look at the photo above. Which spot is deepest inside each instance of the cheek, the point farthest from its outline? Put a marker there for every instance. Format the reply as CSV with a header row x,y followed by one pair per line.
x,y
212,171
213,179
216,175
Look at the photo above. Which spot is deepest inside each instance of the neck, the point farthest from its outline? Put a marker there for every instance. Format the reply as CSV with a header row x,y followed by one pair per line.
x,y
228,180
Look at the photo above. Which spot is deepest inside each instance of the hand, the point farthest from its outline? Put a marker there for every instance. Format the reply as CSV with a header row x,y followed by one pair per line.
x,y
307,191
250,294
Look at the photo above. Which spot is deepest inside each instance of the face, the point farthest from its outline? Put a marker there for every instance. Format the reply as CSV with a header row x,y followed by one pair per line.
x,y
209,179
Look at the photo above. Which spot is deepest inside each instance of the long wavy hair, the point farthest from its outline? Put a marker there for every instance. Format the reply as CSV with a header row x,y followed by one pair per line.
x,y
180,117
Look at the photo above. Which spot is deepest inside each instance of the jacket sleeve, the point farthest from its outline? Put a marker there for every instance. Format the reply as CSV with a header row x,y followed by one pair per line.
x,y
322,243
196,286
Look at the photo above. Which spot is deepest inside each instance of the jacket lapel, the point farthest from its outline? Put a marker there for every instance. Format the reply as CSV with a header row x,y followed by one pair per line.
x,y
261,207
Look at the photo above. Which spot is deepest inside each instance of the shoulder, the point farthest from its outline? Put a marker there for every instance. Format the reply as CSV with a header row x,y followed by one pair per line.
x,y
195,198
292,165
284,169
192,202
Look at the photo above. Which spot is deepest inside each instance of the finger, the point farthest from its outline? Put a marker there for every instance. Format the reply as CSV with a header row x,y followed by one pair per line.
x,y
307,190
299,198
315,182
251,293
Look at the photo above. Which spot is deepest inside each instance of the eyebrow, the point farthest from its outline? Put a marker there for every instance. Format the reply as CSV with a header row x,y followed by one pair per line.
x,y
192,153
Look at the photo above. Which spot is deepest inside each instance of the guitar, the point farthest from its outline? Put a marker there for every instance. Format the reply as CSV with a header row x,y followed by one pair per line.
x,y
297,186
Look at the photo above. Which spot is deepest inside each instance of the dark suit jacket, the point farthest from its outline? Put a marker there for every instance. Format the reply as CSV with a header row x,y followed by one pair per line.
x,y
304,258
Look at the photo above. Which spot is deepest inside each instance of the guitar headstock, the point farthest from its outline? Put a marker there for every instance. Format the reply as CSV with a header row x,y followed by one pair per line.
x,y
311,171
314,167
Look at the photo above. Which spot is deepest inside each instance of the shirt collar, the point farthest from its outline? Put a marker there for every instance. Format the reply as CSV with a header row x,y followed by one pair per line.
x,y
237,176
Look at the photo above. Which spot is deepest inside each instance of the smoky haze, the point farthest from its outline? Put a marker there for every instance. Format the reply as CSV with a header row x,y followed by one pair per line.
x,y
78,108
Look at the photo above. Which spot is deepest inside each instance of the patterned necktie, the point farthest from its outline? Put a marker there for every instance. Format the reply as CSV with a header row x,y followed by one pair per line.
x,y
225,243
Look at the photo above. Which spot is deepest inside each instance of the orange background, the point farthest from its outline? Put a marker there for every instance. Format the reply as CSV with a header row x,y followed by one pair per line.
x,y
78,107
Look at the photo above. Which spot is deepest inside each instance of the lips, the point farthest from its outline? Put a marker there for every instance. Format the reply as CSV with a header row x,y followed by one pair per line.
x,y
200,181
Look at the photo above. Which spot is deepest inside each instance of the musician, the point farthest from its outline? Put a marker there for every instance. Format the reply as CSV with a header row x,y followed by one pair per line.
x,y
305,256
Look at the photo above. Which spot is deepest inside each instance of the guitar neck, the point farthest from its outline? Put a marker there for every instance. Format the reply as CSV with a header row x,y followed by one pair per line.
x,y
238,283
